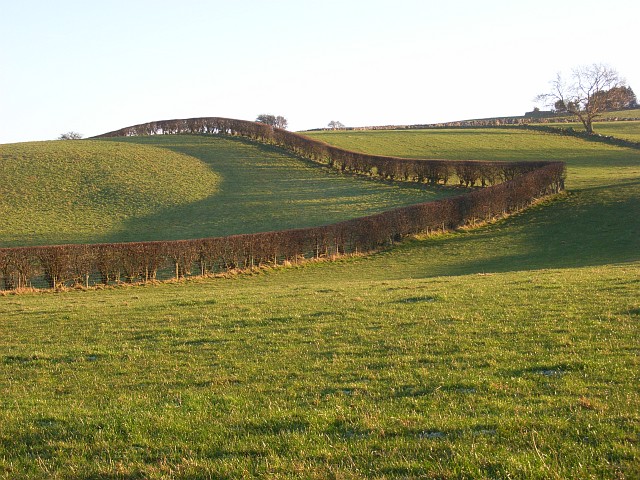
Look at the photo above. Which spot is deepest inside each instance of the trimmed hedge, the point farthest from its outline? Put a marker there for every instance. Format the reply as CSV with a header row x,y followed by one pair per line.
x,y
514,186
468,173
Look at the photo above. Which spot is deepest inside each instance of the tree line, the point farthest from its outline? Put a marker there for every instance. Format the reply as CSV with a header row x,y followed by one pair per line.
x,y
513,187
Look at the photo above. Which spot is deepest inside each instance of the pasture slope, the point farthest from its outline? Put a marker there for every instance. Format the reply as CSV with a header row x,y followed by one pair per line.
x,y
506,351
175,187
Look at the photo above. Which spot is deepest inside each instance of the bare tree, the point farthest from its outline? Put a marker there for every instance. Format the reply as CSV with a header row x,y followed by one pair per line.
x,y
589,92
281,122
335,125
275,121
70,136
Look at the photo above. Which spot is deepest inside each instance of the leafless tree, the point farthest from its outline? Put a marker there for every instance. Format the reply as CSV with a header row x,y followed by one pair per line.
x,y
589,92
70,136
275,121
335,125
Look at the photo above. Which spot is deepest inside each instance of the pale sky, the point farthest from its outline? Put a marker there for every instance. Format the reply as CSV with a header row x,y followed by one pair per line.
x,y
93,67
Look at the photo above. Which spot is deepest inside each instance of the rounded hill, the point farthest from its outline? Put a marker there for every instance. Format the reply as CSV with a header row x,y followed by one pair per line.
x,y
173,187
78,191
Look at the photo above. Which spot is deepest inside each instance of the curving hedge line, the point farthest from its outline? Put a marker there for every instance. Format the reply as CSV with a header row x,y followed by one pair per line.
x,y
514,186
467,173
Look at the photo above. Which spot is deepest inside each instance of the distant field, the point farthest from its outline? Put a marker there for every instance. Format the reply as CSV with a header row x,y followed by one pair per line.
x,y
175,187
507,351
588,163
625,130
631,114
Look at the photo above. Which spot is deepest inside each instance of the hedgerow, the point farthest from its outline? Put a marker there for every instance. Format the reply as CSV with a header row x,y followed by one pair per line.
x,y
510,186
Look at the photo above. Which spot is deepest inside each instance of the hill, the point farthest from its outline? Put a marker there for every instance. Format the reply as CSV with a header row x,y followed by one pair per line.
x,y
174,187
507,351
541,118
79,191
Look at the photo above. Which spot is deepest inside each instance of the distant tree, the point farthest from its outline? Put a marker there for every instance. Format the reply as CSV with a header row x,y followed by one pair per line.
x,y
275,121
70,136
281,122
592,90
560,107
265,118
334,125
619,98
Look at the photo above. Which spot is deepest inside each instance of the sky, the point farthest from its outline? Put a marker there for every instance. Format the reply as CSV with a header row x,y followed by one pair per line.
x,y
93,67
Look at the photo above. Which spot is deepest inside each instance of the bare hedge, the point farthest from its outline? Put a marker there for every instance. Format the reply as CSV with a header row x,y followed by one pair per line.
x,y
510,186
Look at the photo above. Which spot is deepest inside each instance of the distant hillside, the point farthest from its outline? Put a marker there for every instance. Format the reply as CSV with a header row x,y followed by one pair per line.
x,y
543,117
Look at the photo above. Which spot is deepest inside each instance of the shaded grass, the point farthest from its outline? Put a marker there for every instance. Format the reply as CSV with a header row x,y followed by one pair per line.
x,y
264,188
175,187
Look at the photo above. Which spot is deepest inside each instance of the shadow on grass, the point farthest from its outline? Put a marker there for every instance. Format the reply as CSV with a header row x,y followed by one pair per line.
x,y
594,226
586,228
265,188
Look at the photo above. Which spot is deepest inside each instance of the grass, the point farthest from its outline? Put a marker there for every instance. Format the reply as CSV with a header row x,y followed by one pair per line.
x,y
633,113
625,130
589,164
508,351
597,222
305,373
76,191
175,187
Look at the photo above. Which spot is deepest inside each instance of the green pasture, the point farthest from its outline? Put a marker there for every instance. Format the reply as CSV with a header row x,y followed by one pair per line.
x,y
625,130
315,373
175,187
631,114
596,222
78,191
505,351
589,164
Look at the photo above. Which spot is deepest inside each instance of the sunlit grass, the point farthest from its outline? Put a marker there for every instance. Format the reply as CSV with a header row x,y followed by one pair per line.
x,y
315,374
77,191
175,187
624,130
588,162
507,351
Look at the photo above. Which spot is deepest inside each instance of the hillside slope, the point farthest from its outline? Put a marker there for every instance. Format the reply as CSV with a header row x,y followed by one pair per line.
x,y
597,222
508,351
79,191
174,187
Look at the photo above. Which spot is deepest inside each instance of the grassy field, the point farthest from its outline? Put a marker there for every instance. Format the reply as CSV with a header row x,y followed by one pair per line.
x,y
175,187
633,113
303,373
76,191
624,130
589,164
508,351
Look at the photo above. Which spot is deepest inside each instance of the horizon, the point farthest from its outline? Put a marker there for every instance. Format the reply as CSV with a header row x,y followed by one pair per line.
x,y
91,69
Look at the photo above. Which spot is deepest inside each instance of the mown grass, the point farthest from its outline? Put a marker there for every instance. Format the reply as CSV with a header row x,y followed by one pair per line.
x,y
175,187
507,351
